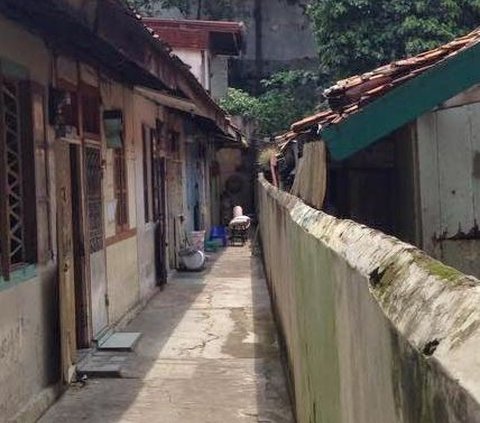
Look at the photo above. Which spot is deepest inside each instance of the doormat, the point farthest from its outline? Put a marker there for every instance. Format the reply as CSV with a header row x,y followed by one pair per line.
x,y
119,341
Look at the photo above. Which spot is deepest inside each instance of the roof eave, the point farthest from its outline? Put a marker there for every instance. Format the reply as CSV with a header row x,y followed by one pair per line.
x,y
404,104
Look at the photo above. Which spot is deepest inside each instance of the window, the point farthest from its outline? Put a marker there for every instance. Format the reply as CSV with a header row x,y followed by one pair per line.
x,y
120,186
94,197
113,124
90,100
17,181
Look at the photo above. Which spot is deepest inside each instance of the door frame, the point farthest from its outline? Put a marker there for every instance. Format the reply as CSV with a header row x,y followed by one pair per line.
x,y
66,260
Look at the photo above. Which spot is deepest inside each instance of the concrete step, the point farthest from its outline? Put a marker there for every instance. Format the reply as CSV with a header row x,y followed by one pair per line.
x,y
95,370
119,341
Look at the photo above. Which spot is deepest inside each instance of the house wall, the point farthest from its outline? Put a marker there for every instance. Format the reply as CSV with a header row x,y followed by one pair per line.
x,y
375,330
197,183
176,192
123,278
219,76
448,154
29,352
123,285
199,66
146,113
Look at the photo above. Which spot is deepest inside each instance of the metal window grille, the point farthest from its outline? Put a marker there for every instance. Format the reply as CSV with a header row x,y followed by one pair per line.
x,y
12,236
121,194
94,197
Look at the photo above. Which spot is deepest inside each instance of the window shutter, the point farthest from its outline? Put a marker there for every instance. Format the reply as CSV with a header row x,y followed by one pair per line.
x,y
29,176
42,173
4,225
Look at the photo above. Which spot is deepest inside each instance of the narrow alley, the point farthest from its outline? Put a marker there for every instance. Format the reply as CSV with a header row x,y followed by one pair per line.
x,y
208,353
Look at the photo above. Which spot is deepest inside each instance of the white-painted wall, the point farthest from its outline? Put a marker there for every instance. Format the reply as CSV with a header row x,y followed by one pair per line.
x,y
198,62
449,174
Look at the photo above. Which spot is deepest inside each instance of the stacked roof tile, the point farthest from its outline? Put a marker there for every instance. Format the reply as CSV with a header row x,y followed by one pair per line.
x,y
350,95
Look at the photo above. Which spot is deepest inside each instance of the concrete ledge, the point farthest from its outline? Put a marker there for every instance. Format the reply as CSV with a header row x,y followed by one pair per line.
x,y
376,330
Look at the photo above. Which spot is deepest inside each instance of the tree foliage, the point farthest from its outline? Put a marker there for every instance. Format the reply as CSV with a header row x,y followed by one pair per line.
x,y
287,96
195,9
354,36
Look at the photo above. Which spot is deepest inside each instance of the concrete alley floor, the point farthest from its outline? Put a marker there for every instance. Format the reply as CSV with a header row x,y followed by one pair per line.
x,y
208,353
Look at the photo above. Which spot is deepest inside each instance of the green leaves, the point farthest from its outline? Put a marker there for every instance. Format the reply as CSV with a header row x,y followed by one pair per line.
x,y
240,103
287,97
355,36
198,9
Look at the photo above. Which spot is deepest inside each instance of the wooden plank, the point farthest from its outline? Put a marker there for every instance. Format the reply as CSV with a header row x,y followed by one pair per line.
x,y
65,260
455,170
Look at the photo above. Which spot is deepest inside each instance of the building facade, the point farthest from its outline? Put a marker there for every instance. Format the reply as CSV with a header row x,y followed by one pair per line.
x,y
102,134
403,150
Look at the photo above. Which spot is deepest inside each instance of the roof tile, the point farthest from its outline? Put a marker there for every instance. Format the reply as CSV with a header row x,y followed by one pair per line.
x,y
349,95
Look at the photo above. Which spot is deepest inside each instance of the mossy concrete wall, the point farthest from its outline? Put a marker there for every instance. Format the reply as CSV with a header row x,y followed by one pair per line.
x,y
375,330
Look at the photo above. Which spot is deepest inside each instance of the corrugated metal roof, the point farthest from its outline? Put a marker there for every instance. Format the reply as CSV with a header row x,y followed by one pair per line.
x,y
350,95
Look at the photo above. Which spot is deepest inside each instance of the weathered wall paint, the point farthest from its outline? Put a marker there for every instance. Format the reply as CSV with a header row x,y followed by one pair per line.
x,y
122,276
311,177
146,113
219,79
196,60
29,354
376,331
448,156
118,97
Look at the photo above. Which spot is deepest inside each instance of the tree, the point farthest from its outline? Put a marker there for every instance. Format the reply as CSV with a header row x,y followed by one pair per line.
x,y
287,96
355,36
194,9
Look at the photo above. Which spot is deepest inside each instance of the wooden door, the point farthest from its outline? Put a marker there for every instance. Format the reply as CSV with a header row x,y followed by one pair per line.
x,y
66,268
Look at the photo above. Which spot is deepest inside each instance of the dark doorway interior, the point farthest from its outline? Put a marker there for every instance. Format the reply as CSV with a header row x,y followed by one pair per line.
x,y
81,302
159,210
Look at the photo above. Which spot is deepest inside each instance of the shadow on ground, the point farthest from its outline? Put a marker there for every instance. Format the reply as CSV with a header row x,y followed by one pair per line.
x,y
209,353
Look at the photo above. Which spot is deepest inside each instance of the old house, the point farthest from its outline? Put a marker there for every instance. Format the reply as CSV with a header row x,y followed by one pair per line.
x,y
208,47
96,116
403,150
